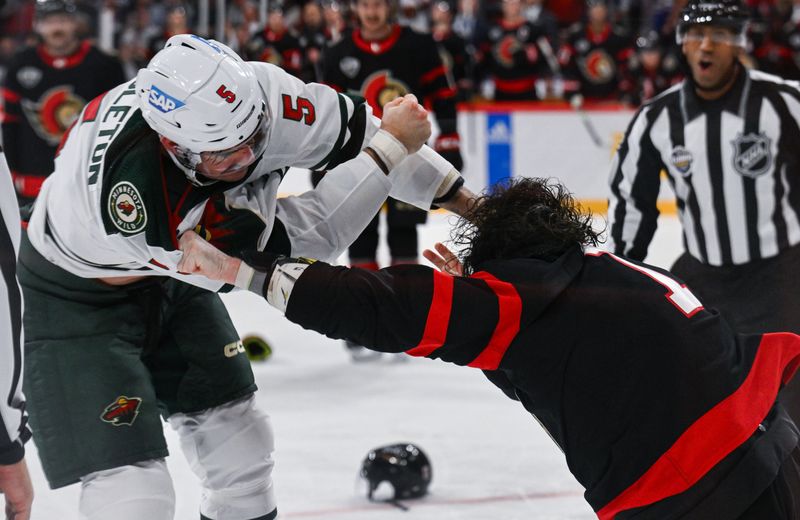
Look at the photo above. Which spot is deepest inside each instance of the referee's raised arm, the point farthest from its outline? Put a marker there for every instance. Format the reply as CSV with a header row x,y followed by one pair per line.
x,y
15,482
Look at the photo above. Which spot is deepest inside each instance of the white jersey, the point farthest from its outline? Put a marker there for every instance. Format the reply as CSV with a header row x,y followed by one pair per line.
x,y
116,204
13,420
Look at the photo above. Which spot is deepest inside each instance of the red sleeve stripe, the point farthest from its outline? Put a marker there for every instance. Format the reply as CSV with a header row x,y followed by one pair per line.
x,y
510,313
10,96
718,432
432,74
443,93
90,112
438,316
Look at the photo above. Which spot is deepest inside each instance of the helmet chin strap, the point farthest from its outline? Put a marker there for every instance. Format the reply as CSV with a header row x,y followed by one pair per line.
x,y
190,173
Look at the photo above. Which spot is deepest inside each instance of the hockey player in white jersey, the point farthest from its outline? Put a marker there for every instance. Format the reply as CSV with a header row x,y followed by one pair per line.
x,y
199,141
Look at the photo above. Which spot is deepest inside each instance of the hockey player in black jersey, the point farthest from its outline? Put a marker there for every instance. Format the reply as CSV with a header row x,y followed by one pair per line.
x,y
594,57
45,89
380,61
276,44
661,410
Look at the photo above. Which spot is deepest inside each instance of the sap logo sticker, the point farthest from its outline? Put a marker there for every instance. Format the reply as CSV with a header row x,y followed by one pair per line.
x,y
163,101
207,43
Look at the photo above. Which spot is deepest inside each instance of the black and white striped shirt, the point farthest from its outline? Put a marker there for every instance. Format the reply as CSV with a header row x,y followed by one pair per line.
x,y
733,163
13,420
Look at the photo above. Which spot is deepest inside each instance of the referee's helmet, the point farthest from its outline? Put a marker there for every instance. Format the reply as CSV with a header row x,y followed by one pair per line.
x,y
725,13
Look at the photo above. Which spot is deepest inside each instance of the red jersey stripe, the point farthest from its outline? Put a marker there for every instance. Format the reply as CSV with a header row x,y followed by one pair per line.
x,y
718,432
438,316
9,95
443,93
510,312
515,85
90,112
432,74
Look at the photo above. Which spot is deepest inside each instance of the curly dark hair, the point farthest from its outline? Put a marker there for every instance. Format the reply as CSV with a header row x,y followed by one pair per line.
x,y
522,218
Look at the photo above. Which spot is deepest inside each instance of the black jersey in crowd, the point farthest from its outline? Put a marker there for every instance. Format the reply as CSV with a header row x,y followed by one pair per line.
x,y
43,95
279,48
511,55
660,409
595,64
405,62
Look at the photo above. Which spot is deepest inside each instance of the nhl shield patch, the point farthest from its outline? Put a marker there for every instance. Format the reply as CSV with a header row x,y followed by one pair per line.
x,y
752,154
122,411
126,209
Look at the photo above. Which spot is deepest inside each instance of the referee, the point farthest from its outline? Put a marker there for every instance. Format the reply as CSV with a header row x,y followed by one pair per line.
x,y
729,141
15,483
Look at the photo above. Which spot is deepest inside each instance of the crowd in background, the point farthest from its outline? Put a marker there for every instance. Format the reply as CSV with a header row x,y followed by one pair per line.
x,y
599,50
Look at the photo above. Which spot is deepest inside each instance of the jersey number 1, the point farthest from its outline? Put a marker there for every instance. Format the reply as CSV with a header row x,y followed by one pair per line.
x,y
678,295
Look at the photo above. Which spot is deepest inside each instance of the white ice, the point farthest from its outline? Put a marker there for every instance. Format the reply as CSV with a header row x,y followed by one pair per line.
x,y
491,460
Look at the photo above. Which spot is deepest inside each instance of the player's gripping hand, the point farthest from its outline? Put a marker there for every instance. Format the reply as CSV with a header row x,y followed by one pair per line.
x,y
407,121
444,259
200,257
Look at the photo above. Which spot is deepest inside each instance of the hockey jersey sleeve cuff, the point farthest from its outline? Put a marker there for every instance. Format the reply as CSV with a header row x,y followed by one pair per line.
x,y
12,453
388,148
449,187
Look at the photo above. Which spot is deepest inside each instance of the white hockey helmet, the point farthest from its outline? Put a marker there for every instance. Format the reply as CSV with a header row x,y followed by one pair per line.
x,y
204,98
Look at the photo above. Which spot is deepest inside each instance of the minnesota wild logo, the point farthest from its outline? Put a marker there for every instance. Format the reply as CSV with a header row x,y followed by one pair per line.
x,y
122,411
126,209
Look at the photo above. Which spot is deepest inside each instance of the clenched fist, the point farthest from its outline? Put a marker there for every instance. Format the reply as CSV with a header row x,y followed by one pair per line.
x,y
407,121
200,257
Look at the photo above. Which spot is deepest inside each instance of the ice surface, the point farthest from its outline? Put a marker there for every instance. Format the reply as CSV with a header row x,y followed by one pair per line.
x,y
491,460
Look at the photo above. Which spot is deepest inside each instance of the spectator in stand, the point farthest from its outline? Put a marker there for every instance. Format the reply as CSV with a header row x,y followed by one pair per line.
x,y
543,19
7,51
510,55
44,91
456,54
652,68
594,57
134,40
177,23
240,34
466,22
413,13
567,12
313,36
276,44
775,37
335,15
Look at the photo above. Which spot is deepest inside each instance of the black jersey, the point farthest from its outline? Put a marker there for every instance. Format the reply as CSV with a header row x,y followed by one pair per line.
x,y
457,56
43,96
406,62
648,83
595,64
660,409
312,42
278,48
510,54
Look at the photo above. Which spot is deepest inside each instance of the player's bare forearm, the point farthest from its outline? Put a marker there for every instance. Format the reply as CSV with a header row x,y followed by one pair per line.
x,y
461,202
15,484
